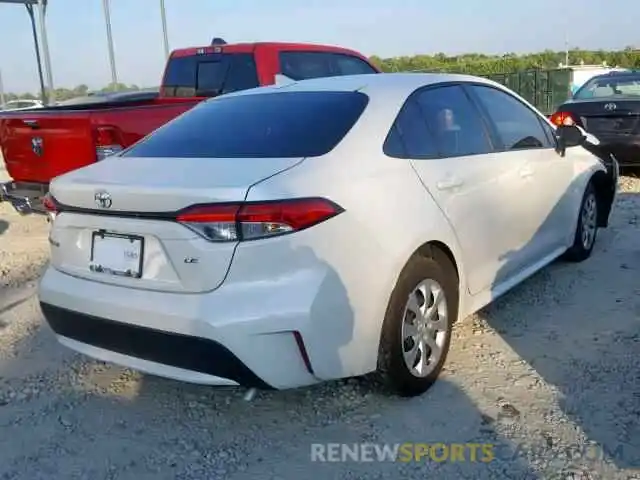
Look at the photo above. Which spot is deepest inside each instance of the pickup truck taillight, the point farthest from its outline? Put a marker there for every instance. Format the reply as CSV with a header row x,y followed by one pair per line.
x,y
108,141
51,206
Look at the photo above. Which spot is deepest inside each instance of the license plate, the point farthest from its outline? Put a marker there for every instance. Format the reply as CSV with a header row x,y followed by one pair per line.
x,y
117,254
611,125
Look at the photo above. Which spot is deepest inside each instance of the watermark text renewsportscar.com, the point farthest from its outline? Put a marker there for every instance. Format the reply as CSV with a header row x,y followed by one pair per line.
x,y
452,452
402,452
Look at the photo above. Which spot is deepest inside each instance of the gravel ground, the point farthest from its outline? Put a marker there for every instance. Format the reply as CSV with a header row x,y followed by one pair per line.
x,y
549,374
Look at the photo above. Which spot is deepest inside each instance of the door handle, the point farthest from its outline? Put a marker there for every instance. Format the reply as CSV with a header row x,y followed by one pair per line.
x,y
449,183
526,171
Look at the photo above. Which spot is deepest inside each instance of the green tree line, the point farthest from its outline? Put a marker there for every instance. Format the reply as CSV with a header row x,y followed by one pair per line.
x,y
470,63
482,64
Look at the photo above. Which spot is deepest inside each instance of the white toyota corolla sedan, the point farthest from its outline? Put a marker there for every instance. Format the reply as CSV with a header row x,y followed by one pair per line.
x,y
329,228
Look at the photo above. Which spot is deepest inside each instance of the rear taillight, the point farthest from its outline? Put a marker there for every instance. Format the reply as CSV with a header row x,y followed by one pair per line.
x,y
50,205
108,141
253,220
562,118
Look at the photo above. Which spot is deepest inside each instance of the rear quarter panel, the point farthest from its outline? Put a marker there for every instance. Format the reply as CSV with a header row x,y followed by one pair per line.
x,y
388,216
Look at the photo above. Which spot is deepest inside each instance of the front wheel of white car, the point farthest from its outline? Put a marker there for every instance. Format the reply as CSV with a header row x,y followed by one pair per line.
x,y
587,227
416,332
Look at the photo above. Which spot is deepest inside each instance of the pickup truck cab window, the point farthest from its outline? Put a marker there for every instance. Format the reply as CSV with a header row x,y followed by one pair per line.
x,y
209,74
300,65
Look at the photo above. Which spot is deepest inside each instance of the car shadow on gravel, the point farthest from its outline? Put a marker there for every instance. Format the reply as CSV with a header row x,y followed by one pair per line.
x,y
64,416
4,226
272,436
280,430
578,326
100,424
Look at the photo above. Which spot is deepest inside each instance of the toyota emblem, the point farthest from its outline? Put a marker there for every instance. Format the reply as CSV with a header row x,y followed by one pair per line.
x,y
610,106
37,145
103,199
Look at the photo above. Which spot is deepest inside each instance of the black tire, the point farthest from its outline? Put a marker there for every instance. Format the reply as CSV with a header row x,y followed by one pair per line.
x,y
580,250
392,368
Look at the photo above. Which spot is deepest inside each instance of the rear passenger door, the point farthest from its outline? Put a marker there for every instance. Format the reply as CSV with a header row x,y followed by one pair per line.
x,y
545,175
302,65
452,151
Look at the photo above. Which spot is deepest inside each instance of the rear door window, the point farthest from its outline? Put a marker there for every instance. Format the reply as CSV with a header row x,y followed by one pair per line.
x,y
457,126
269,125
210,74
300,65
518,126
410,136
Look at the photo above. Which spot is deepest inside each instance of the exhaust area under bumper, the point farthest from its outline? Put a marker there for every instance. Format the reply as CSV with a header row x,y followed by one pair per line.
x,y
24,198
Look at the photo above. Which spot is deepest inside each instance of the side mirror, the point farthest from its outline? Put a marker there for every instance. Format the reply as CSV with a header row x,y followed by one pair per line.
x,y
569,136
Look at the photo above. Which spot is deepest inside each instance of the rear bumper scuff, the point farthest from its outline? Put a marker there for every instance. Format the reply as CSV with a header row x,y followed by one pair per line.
x,y
187,352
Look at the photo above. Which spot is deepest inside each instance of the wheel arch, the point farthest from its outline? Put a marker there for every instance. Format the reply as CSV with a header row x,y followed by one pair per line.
x,y
387,354
604,194
439,249
427,250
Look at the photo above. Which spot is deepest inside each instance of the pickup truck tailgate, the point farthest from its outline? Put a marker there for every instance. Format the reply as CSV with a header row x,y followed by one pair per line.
x,y
33,144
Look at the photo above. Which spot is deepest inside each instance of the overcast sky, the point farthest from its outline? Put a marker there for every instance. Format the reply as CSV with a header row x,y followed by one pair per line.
x,y
78,46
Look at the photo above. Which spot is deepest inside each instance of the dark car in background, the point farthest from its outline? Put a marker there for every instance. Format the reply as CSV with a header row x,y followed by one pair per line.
x,y
608,107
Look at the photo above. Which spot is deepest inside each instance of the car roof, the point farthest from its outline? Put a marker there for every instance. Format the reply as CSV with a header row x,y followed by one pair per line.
x,y
395,84
616,74
249,47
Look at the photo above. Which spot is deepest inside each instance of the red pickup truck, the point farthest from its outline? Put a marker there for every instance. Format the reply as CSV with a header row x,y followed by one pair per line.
x,y
43,143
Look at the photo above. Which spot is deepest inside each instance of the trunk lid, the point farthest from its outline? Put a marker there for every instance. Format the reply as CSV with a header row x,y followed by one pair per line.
x,y
607,118
33,143
167,256
148,184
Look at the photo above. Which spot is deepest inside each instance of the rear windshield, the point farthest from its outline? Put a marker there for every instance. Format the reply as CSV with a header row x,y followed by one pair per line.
x,y
270,125
209,74
610,86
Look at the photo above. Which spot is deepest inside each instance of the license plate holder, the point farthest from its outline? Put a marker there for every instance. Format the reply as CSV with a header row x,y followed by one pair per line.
x,y
117,254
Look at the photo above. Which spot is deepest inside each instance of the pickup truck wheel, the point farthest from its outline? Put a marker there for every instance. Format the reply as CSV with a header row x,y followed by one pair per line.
x,y
587,227
416,331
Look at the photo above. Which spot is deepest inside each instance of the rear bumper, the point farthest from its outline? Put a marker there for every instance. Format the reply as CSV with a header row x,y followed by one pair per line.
x,y
205,357
213,338
24,197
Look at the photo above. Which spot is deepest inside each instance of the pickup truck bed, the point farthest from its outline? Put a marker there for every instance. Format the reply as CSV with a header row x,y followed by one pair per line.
x,y
75,135
47,142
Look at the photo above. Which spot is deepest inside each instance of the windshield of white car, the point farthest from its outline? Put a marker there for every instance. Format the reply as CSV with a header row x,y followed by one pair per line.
x,y
271,125
610,86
